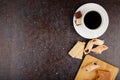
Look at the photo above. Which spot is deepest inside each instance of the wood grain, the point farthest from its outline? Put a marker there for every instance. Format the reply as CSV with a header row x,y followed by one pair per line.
x,y
84,75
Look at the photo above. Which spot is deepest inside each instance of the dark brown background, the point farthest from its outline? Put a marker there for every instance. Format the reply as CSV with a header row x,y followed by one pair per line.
x,y
36,35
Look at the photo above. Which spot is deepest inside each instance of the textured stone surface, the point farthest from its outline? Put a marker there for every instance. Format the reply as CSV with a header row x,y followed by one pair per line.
x,y
36,35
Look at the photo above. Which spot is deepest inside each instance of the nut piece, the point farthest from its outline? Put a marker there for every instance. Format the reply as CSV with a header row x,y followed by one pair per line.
x,y
90,67
77,50
99,49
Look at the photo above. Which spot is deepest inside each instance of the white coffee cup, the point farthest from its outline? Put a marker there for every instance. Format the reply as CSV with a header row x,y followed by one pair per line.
x,y
84,30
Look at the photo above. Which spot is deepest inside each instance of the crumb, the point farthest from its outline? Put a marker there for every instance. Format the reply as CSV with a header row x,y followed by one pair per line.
x,y
23,47
35,69
56,73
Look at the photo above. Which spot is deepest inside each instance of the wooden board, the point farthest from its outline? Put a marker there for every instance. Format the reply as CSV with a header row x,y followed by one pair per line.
x,y
84,75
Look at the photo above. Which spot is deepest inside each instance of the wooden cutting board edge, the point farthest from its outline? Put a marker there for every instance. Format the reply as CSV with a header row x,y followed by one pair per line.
x,y
117,69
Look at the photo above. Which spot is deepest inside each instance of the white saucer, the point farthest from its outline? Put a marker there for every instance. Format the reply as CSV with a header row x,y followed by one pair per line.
x,y
85,32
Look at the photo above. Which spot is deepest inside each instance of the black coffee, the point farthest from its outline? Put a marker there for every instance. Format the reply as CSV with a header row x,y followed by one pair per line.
x,y
92,20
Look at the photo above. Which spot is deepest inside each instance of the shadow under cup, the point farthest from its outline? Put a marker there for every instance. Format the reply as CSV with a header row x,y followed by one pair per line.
x,y
92,20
